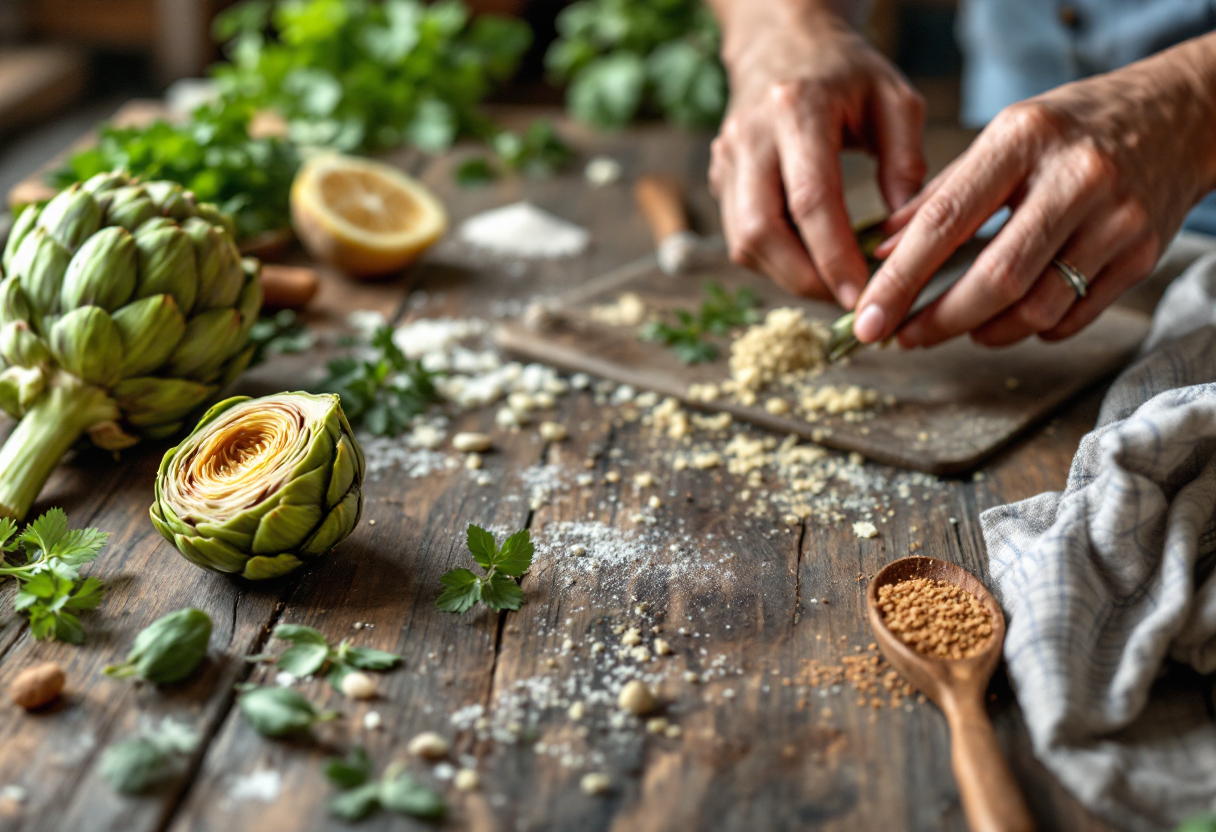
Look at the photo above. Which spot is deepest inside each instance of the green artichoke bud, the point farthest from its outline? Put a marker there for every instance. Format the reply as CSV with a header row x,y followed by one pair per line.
x,y
101,296
261,485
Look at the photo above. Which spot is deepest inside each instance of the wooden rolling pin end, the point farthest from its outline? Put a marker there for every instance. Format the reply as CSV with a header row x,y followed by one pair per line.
x,y
661,204
288,287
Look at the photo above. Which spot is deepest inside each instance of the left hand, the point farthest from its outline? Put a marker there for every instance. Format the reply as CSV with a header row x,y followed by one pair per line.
x,y
1099,173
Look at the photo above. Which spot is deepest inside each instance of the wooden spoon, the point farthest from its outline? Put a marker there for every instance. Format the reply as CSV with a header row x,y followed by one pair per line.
x,y
991,798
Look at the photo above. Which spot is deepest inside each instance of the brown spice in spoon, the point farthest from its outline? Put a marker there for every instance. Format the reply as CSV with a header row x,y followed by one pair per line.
x,y
935,618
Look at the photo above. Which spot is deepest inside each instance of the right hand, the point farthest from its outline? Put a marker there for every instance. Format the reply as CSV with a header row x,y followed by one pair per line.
x,y
801,91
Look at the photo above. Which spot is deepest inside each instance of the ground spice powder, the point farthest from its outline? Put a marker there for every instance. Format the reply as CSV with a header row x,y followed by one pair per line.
x,y
935,617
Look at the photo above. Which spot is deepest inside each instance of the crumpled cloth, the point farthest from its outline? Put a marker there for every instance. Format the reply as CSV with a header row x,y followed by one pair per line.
x,y
1110,582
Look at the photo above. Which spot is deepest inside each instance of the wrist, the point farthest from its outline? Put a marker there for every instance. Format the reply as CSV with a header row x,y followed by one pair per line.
x,y
1198,64
747,27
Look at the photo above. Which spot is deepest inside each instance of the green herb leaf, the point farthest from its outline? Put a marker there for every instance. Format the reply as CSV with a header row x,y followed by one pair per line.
x,y
298,634
278,334
475,172
385,391
367,658
515,556
303,659
167,650
354,770
497,588
463,591
406,796
47,569
134,765
277,711
720,312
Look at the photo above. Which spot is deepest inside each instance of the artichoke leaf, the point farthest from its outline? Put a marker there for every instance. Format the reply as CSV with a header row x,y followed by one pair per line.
x,y
340,522
151,329
21,227
87,344
210,554
102,271
14,305
346,470
262,567
40,264
209,341
71,217
285,528
20,347
220,275
306,489
166,265
150,401
20,387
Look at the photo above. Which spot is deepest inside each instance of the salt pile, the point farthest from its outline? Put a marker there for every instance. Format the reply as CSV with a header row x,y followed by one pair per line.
x,y
525,231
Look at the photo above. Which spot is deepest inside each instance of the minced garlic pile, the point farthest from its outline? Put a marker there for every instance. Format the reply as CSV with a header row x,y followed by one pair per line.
x,y
628,310
786,342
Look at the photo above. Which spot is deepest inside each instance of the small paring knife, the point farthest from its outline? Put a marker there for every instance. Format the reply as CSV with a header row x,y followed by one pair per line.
x,y
842,342
678,248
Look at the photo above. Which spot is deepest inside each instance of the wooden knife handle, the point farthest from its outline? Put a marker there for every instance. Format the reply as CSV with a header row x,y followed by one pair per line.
x,y
661,202
288,287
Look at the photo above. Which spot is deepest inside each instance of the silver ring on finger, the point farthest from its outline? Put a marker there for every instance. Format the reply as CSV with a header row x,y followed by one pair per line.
x,y
1072,276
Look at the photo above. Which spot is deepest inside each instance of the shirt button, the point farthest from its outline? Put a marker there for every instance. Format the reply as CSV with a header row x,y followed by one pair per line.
x,y
1069,16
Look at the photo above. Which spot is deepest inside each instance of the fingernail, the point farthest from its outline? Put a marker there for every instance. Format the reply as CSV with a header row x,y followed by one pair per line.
x,y
847,295
869,324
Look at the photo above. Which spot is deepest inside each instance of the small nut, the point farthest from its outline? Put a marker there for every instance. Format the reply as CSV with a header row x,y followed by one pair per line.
x,y
552,431
662,647
466,780
429,746
636,698
358,685
472,442
37,686
595,783
473,461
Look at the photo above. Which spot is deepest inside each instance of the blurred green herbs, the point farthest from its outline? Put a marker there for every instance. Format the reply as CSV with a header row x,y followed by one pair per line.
x,y
211,153
357,75
623,58
720,312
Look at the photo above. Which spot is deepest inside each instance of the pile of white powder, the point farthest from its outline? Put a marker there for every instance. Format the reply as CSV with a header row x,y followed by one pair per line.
x,y
524,231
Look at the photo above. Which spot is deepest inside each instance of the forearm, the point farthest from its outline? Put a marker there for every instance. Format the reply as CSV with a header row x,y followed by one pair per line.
x,y
1192,66
742,21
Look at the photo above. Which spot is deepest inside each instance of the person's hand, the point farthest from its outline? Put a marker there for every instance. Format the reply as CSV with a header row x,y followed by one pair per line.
x,y
1098,173
803,88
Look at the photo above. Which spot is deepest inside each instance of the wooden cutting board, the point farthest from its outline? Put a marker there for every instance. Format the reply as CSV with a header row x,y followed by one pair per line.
x,y
957,404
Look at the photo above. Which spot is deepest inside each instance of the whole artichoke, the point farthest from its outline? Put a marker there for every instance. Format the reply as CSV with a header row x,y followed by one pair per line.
x,y
124,306
261,485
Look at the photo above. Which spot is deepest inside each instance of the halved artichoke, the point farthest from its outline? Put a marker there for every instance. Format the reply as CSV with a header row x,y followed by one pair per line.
x,y
262,485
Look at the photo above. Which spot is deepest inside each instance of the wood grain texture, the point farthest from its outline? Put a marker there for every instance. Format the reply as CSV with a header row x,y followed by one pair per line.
x,y
766,756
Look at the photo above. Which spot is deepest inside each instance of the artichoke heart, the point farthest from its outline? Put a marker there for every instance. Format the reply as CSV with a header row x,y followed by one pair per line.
x,y
114,296
261,486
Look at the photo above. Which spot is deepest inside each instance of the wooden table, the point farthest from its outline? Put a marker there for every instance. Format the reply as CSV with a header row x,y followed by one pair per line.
x,y
760,759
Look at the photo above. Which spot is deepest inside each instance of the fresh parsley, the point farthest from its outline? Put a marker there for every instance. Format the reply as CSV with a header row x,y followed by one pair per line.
x,y
277,711
310,653
623,58
536,151
212,154
383,390
134,765
359,795
497,588
278,334
45,559
720,312
362,75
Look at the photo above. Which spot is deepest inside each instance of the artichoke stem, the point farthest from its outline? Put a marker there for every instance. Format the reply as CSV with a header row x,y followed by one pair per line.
x,y
65,410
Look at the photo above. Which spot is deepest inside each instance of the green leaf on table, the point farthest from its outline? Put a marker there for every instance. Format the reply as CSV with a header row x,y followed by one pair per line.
x,y
46,561
311,653
359,795
299,634
279,711
133,765
367,658
720,313
303,659
475,172
497,588
167,650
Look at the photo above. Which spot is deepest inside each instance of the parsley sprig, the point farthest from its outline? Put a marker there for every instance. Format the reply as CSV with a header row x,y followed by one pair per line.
x,y
497,588
45,559
311,653
720,312
360,795
384,390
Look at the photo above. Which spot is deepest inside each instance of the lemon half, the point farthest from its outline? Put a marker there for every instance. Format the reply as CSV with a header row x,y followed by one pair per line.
x,y
365,217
